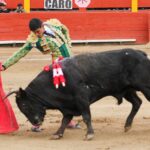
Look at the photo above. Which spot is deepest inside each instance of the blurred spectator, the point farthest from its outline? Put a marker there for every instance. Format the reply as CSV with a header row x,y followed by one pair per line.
x,y
3,2
3,8
20,8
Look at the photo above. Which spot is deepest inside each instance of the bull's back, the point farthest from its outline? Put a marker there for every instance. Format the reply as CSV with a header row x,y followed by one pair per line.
x,y
109,71
104,64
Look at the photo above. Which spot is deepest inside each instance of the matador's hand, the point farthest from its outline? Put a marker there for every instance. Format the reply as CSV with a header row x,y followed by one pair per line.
x,y
2,68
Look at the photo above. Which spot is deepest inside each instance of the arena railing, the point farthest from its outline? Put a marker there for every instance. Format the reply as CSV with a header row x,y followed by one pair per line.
x,y
94,5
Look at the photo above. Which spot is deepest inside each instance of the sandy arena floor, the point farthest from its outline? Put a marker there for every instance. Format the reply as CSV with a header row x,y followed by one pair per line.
x,y
108,118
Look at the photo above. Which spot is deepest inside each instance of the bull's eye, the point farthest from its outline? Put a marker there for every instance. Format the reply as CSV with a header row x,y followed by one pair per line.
x,y
24,107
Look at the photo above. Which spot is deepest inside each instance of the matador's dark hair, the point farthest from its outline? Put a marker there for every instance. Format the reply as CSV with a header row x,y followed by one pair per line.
x,y
35,23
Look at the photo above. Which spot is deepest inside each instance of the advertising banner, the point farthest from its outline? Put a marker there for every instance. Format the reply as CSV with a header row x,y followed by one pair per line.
x,y
82,3
58,4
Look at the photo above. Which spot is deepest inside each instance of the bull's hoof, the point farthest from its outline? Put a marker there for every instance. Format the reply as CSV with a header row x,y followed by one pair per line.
x,y
56,136
126,129
89,137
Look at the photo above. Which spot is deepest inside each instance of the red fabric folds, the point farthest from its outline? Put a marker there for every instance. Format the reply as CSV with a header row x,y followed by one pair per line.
x,y
8,122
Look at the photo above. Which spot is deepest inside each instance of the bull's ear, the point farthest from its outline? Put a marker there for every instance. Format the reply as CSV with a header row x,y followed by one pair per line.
x,y
21,93
20,89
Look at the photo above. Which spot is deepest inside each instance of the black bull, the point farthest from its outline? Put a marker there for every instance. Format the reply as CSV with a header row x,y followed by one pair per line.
x,y
89,77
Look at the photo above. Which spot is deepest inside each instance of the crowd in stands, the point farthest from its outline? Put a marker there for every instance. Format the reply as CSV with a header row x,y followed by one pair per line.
x,y
3,8
20,9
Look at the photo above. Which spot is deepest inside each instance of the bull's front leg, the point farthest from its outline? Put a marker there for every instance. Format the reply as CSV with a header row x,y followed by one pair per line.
x,y
65,121
87,119
84,107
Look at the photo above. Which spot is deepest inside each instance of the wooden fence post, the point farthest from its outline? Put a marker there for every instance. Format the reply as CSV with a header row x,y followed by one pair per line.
x,y
134,6
27,6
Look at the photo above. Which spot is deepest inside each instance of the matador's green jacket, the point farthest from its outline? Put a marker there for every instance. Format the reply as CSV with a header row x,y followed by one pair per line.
x,y
56,46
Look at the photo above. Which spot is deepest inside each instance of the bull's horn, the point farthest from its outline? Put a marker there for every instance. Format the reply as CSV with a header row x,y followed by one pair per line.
x,y
10,93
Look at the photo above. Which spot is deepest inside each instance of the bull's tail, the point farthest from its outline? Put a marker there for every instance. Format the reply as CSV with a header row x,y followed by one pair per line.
x,y
146,92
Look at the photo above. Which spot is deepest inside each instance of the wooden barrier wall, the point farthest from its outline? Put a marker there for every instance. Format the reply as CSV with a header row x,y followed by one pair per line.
x,y
12,4
83,25
117,3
